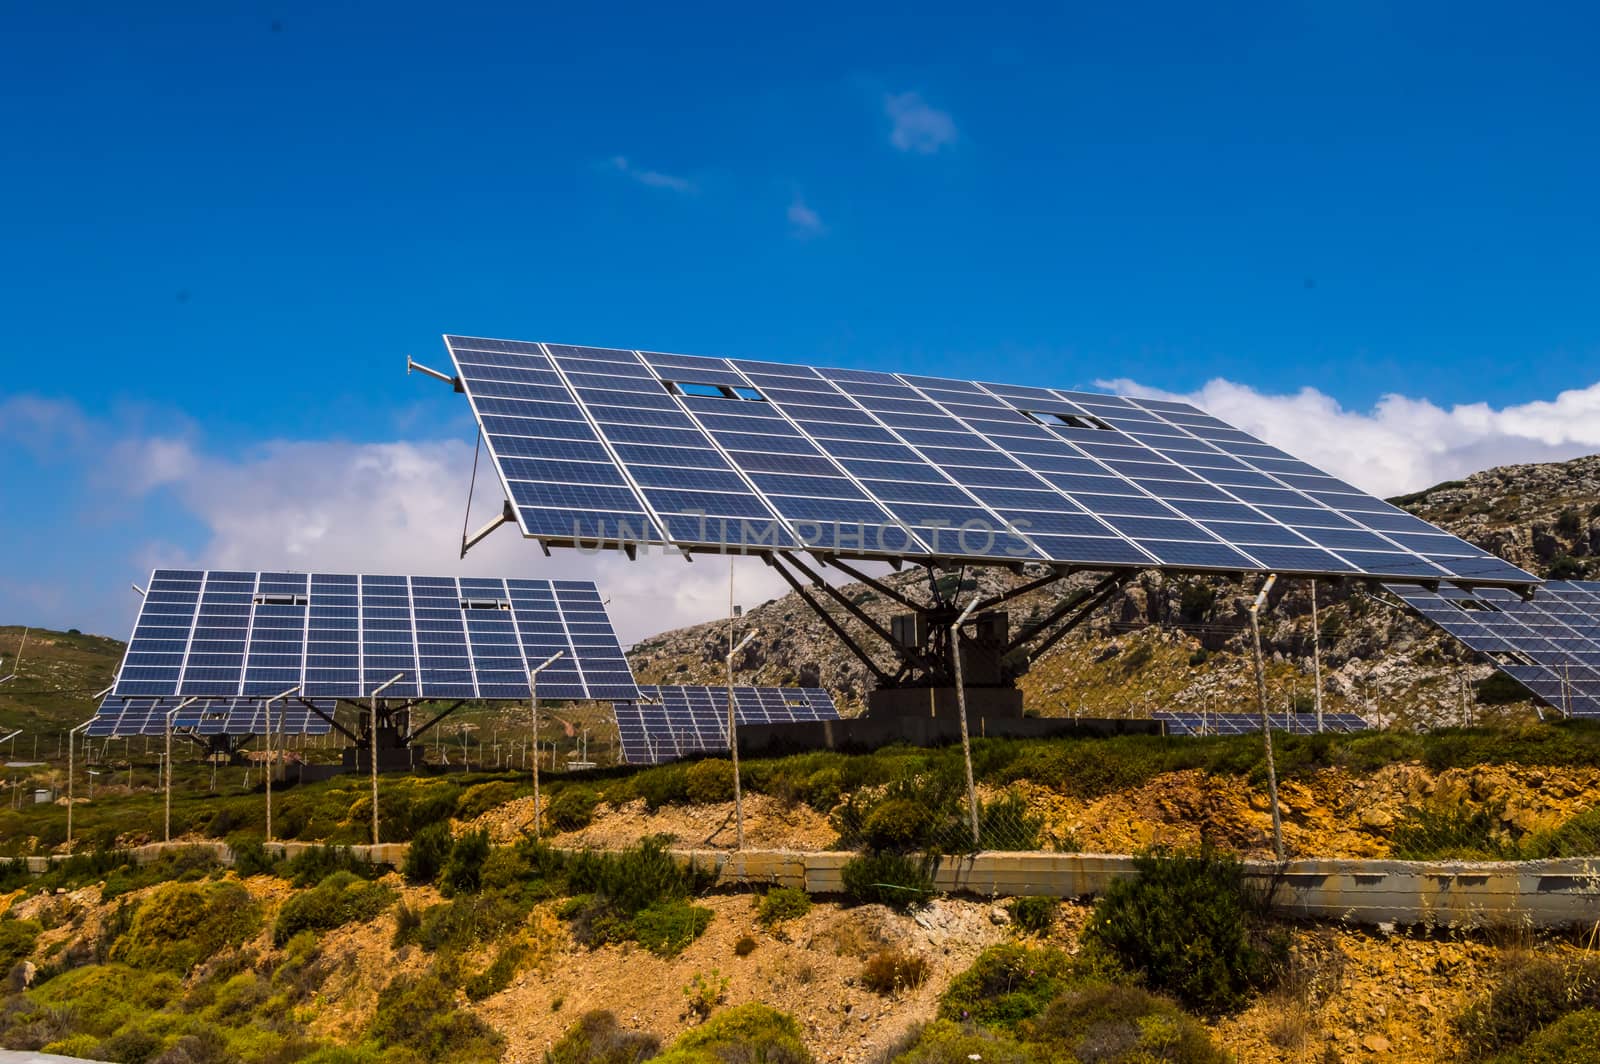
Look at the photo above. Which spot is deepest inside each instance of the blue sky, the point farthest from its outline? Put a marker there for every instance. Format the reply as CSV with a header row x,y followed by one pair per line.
x,y
227,228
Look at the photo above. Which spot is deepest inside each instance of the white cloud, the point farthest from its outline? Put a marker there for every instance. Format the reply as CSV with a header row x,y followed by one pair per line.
x,y
803,221
398,508
1402,444
917,127
651,178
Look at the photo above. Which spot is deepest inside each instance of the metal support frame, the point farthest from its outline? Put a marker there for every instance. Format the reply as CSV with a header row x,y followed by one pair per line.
x,y
915,658
411,735
506,516
1075,610
1028,588
733,740
877,585
882,677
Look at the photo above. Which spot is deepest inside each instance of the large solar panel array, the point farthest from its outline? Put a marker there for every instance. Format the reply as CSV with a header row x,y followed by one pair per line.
x,y
1550,644
678,721
249,634
1185,723
600,445
119,718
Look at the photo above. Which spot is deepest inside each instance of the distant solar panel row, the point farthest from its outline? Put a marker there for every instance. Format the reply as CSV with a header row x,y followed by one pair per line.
x,y
679,721
1245,723
610,446
119,718
1549,644
252,634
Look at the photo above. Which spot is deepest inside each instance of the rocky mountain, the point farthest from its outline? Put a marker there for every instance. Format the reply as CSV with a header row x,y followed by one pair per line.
x,y
1182,642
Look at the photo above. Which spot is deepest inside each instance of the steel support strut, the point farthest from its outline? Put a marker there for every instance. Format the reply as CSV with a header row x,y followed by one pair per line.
x,y
920,660
883,678
1079,607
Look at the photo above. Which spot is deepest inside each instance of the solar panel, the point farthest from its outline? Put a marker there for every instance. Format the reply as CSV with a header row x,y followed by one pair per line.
x,y
119,718
1550,644
608,447
675,722
219,634
1186,723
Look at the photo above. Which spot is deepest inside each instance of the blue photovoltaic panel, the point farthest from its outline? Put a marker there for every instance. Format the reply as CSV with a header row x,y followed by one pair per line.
x,y
1186,723
674,722
1550,644
121,717
610,447
218,634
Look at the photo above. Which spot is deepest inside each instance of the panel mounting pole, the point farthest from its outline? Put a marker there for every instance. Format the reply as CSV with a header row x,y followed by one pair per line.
x,y
413,364
961,708
533,703
372,748
166,825
267,709
733,740
505,517
1266,720
70,773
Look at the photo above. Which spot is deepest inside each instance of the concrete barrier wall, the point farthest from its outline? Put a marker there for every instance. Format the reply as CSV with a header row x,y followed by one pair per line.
x,y
1553,893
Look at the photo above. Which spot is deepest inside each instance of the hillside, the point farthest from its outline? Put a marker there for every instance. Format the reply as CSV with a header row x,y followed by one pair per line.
x,y
58,676
1177,642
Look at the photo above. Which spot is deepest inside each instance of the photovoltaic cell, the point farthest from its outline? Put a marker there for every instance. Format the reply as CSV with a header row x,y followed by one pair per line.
x,y
674,722
119,718
1550,643
610,447
225,634
1186,723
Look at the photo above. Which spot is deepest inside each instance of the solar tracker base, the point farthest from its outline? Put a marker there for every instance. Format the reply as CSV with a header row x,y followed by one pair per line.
x,y
997,703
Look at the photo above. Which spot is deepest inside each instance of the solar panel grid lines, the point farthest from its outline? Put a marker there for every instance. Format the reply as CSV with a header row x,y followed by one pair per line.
x,y
245,635
675,721
119,718
1550,644
1185,723
707,447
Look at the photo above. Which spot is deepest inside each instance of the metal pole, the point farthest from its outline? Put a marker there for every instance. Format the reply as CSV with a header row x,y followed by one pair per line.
x,y
733,737
1266,720
166,823
268,726
533,704
961,707
1316,655
71,764
372,747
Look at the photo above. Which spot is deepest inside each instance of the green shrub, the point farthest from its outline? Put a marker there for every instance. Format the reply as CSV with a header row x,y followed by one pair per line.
x,y
665,785
948,1042
340,899
752,1032
1524,1000
316,863
1034,915
1183,926
823,789
482,797
597,1039
709,781
250,858
456,925
632,879
744,946
1087,1020
898,824
1451,832
1006,824
783,903
667,927
495,978
181,924
418,1012
1566,567
1574,1037
1578,837
530,871
463,869
891,879
889,970
17,939
427,854
1008,983
573,807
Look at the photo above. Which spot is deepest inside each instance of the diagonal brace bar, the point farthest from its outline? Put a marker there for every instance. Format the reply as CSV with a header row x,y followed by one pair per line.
x,y
877,585
827,618
414,732
340,728
1017,592
856,611
1083,608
